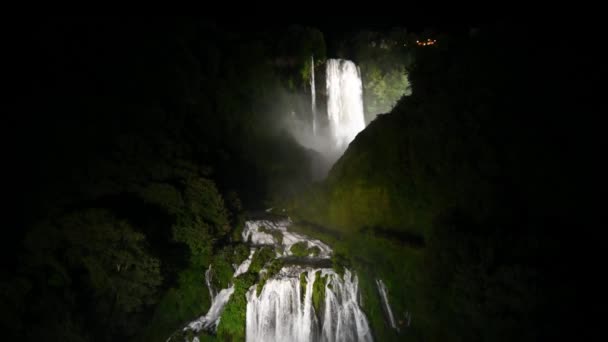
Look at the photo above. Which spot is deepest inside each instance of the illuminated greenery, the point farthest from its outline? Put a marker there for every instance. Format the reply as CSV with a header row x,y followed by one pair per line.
x,y
273,268
301,249
232,324
260,258
318,292
429,199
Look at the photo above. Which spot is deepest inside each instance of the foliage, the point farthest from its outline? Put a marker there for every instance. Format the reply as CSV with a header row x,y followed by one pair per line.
x,y
241,253
178,305
301,249
222,269
339,263
204,219
232,323
260,258
318,292
272,270
93,254
142,190
444,203
384,59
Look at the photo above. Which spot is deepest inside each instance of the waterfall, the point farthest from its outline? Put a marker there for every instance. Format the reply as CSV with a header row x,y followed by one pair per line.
x,y
257,233
208,277
282,313
387,307
211,319
313,95
344,101
279,313
242,268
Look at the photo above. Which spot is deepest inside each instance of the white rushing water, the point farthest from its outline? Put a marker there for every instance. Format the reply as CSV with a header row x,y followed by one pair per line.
x,y
385,303
254,232
208,277
242,268
313,95
344,101
211,319
281,312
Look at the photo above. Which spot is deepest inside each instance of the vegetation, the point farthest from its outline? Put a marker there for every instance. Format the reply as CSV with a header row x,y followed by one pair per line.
x,y
141,191
318,292
232,324
273,268
445,203
137,143
301,249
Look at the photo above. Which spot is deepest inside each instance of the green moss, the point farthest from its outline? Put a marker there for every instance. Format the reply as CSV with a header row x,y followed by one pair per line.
x,y
178,305
318,292
232,323
340,262
272,269
241,252
260,258
372,257
301,249
222,270
314,251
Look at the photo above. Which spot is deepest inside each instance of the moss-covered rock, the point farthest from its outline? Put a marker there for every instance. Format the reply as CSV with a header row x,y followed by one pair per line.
x,y
232,322
301,249
241,252
260,258
273,268
318,292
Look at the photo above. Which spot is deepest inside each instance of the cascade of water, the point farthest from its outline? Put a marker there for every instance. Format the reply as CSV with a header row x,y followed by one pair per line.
x,y
385,303
344,101
253,232
211,319
245,265
208,277
281,312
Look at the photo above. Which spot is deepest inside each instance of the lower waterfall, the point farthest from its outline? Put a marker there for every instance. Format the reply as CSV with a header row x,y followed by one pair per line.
x,y
282,313
305,300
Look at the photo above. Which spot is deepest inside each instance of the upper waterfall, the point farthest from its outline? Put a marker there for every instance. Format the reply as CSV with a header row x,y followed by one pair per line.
x,y
344,101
